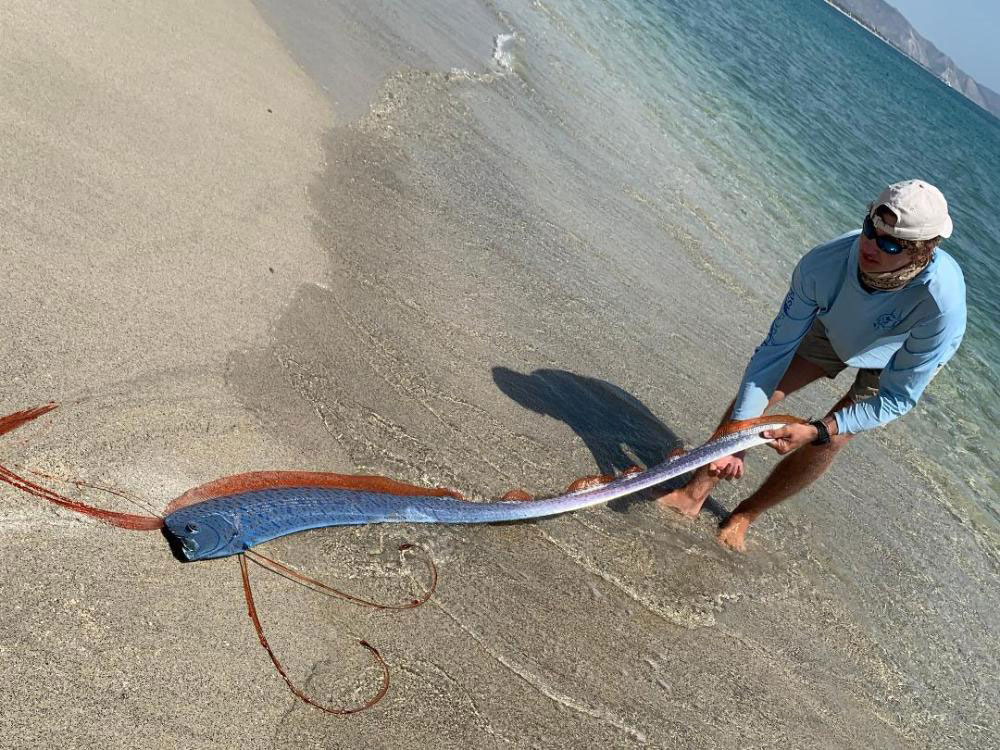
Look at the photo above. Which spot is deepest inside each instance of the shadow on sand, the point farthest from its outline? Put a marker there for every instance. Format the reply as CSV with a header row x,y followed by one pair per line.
x,y
616,427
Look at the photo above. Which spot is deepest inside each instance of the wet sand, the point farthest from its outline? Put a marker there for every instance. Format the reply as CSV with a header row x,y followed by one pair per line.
x,y
221,259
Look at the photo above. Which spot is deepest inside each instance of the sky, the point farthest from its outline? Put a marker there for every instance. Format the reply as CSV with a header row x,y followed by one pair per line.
x,y
965,30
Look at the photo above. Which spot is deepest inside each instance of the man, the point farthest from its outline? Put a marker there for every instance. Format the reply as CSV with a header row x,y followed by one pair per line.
x,y
884,300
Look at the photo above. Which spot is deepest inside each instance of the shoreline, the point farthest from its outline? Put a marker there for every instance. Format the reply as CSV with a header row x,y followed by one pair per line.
x,y
441,279
871,30
874,32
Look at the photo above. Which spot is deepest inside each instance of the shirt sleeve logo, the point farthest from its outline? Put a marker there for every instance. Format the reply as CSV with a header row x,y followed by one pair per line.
x,y
787,304
886,321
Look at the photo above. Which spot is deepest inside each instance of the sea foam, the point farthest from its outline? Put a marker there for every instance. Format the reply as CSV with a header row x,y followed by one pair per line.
x,y
501,50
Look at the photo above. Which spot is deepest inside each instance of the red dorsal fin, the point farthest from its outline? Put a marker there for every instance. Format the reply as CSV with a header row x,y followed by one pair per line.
x,y
730,427
585,483
122,520
262,480
18,418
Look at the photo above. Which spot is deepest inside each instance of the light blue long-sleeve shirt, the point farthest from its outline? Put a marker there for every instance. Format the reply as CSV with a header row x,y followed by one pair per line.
x,y
907,333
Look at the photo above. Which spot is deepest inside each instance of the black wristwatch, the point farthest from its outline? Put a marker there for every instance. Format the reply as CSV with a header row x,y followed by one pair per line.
x,y
824,434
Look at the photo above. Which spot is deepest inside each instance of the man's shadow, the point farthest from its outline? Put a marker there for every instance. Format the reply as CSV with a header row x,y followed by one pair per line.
x,y
616,427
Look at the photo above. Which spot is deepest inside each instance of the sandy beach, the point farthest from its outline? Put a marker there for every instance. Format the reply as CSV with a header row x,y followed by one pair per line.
x,y
310,237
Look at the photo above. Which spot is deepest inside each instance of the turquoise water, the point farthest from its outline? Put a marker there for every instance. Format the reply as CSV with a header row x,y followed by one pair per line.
x,y
555,231
784,119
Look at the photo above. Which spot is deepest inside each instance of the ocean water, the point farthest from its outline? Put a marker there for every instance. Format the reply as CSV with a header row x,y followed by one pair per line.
x,y
781,121
555,231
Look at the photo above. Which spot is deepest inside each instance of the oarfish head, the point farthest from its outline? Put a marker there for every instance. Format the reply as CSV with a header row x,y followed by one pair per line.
x,y
200,535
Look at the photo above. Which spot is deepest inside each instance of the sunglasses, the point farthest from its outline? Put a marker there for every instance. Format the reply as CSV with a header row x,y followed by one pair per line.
x,y
885,244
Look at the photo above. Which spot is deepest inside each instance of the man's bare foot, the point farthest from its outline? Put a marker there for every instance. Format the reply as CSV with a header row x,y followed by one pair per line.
x,y
733,532
682,501
689,498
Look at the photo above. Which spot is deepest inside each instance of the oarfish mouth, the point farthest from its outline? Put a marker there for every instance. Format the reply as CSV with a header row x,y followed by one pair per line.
x,y
176,544
198,539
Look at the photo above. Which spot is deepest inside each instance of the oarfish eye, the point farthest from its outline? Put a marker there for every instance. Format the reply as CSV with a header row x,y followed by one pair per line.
x,y
191,528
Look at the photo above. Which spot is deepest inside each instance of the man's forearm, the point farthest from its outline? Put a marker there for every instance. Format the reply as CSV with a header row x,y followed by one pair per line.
x,y
831,425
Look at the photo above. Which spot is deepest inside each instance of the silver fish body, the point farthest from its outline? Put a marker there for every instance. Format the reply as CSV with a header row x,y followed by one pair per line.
x,y
230,524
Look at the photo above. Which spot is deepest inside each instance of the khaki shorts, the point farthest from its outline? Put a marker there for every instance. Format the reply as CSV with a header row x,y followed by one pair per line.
x,y
816,348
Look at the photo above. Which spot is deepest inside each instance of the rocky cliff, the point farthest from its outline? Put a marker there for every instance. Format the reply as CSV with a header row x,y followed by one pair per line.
x,y
892,26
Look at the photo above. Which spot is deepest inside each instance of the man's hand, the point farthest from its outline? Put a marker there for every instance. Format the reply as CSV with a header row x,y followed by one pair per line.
x,y
791,437
730,467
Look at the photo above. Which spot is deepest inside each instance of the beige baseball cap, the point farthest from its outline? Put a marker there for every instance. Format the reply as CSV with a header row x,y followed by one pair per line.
x,y
920,208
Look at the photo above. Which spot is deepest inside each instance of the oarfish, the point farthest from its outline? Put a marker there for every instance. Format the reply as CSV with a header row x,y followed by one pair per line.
x,y
231,515
230,523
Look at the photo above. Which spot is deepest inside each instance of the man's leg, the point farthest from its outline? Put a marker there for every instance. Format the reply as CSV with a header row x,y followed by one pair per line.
x,y
689,499
795,472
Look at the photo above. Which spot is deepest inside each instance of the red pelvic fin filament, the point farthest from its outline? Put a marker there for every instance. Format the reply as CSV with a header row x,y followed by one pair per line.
x,y
337,710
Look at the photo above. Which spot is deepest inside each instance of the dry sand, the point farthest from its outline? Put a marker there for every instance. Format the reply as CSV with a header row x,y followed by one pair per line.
x,y
218,264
